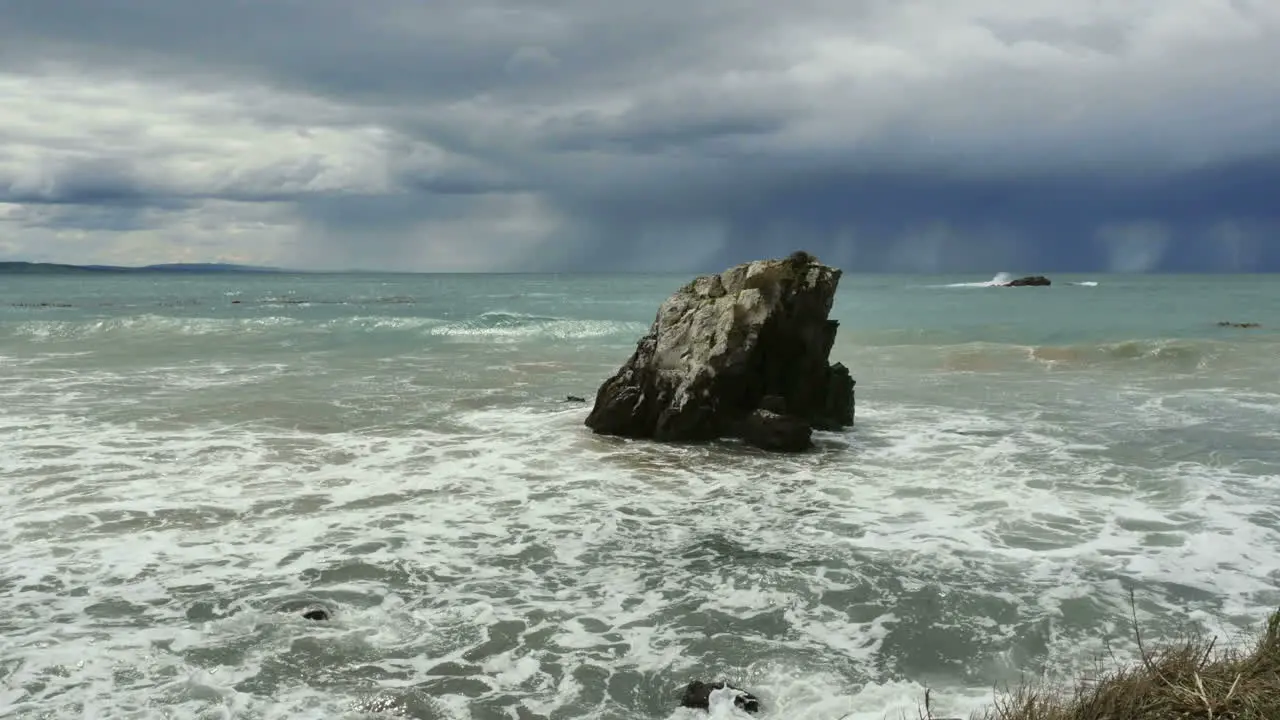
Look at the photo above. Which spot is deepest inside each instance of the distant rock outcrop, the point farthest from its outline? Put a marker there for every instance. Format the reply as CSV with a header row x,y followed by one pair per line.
x,y
1029,281
743,353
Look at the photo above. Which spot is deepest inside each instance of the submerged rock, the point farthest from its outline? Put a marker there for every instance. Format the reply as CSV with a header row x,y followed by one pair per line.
x,y
698,695
1029,281
316,614
724,343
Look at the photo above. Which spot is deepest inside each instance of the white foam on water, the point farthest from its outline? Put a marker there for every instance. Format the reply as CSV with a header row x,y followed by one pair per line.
x,y
563,330
511,557
376,322
141,326
503,326
80,390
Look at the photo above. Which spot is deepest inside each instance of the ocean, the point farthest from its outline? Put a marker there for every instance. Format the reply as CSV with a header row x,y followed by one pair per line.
x,y
186,461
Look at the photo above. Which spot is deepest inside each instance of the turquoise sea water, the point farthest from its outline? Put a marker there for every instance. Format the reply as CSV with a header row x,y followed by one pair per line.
x,y
183,456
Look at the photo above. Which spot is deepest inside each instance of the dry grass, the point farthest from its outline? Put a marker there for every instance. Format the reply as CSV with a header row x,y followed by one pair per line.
x,y
1193,679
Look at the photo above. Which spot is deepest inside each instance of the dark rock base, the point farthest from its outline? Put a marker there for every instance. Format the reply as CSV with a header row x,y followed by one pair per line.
x,y
780,433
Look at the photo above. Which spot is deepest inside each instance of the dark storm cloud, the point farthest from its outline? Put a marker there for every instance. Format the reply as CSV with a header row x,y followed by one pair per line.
x,y
98,181
1055,218
968,135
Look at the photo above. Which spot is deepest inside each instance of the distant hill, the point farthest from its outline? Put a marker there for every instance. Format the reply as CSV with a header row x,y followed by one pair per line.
x,y
28,268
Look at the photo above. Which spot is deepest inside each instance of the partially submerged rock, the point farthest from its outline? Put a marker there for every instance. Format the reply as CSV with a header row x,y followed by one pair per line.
x,y
1029,281
1244,325
316,615
725,346
308,610
698,695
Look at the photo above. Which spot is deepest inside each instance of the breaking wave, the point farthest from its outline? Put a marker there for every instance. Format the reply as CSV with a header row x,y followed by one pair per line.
x,y
1181,353
141,325
1000,279
1182,356
512,325
494,325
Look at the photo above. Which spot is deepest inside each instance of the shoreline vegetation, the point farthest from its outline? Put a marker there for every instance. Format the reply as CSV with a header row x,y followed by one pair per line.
x,y
1195,677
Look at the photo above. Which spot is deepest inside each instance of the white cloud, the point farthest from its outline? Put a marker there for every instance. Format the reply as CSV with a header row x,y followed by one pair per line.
x,y
241,140
231,158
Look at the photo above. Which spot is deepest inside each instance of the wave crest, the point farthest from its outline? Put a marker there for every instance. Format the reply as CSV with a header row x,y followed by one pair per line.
x,y
1139,355
143,325
1000,279
501,324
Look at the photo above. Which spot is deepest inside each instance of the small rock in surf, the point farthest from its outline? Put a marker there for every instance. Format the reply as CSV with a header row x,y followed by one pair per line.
x,y
308,609
698,696
1029,281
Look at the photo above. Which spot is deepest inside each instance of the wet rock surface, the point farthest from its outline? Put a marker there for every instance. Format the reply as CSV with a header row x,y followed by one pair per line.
x,y
756,337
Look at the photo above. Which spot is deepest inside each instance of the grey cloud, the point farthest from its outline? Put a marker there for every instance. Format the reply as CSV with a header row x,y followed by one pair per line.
x,y
89,181
80,216
959,135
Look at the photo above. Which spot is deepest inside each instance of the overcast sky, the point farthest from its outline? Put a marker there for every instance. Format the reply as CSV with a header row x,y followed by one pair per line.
x,y
898,135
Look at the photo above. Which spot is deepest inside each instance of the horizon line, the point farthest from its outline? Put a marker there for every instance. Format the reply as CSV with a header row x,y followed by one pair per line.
x,y
243,268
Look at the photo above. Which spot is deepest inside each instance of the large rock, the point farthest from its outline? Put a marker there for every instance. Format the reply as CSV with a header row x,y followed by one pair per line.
x,y
723,345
